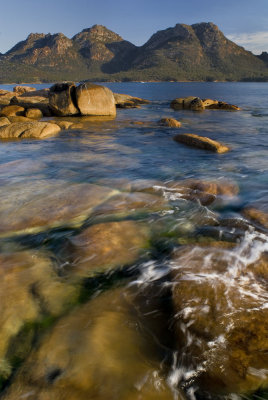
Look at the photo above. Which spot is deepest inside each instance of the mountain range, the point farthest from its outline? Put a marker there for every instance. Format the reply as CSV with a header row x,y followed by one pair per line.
x,y
198,52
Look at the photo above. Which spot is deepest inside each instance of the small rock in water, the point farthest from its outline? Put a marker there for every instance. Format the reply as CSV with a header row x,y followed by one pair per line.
x,y
171,122
201,142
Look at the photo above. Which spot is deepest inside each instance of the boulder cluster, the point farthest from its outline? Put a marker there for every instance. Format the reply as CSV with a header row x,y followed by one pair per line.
x,y
25,106
86,99
197,104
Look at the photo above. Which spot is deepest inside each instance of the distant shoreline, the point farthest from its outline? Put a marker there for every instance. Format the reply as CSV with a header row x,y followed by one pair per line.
x,y
153,81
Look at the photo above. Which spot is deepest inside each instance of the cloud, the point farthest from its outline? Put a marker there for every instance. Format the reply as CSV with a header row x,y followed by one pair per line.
x,y
255,42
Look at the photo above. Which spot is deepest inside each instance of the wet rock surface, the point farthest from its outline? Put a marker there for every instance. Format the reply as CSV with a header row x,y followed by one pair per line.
x,y
62,99
49,204
201,142
11,111
107,246
95,343
130,267
30,292
196,104
22,130
33,113
257,212
95,100
127,101
221,321
171,122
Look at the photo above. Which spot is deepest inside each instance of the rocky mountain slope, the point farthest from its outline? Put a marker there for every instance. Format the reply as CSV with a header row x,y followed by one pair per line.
x,y
184,52
264,57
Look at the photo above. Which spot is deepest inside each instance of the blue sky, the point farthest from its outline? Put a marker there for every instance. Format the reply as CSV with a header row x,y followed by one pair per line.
x,y
244,21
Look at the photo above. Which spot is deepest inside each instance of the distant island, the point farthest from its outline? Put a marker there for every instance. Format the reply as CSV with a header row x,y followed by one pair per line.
x,y
198,52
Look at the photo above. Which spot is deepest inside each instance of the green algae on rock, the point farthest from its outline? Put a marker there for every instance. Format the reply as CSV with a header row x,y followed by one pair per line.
x,y
30,291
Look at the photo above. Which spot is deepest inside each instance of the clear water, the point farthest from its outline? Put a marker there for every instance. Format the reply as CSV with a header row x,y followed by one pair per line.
x,y
117,153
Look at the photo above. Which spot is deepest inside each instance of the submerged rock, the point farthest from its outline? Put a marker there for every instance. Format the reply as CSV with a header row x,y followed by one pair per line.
x,y
204,191
256,215
171,122
22,130
95,100
97,351
220,320
62,99
106,246
48,204
258,212
201,142
30,291
125,204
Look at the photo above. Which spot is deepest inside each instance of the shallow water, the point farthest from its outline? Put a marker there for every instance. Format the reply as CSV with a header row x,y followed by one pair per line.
x,y
101,231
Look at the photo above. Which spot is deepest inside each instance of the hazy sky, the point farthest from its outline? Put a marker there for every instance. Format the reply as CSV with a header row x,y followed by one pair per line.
x,y
244,21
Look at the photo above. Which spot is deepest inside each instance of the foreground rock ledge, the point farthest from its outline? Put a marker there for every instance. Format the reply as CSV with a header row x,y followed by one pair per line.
x,y
201,142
